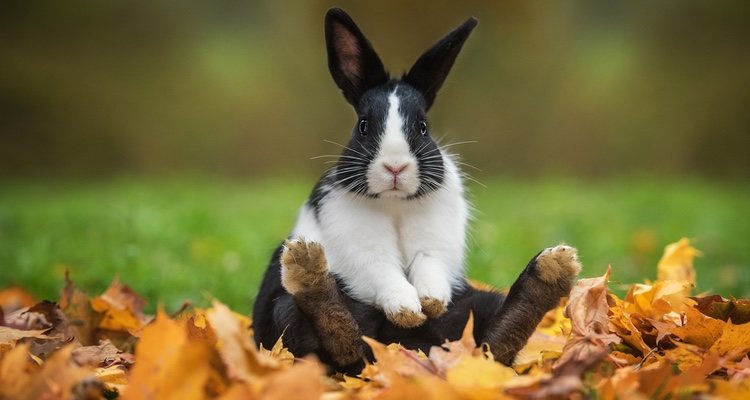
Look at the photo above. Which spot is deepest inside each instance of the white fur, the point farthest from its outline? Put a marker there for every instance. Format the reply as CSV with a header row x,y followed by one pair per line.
x,y
393,151
390,251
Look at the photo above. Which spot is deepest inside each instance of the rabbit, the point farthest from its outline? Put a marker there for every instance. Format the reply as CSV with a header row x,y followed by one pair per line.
x,y
378,248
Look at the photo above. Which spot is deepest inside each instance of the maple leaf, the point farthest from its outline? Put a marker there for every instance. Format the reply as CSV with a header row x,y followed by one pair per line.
x,y
734,342
724,309
9,337
76,305
699,329
121,307
588,312
236,347
56,378
102,355
168,365
677,262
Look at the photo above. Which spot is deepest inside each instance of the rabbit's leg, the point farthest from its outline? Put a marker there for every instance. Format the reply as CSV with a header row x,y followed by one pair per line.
x,y
545,280
433,279
304,274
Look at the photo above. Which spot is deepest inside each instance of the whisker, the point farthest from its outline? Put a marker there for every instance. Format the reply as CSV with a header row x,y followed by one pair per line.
x,y
345,147
458,143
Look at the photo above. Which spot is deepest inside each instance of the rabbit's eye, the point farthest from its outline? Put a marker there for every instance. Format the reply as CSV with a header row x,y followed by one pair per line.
x,y
363,126
423,127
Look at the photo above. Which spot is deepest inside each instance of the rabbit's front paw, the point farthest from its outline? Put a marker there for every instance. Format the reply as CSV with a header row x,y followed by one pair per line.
x,y
403,309
432,307
303,265
558,263
406,318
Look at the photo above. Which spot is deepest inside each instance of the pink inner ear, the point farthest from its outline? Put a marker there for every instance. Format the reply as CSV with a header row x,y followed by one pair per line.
x,y
347,52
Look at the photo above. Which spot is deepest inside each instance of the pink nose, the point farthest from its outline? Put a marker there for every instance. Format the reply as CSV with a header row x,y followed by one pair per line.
x,y
395,169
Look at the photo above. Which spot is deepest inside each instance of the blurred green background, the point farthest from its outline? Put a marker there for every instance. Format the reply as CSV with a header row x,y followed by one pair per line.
x,y
170,141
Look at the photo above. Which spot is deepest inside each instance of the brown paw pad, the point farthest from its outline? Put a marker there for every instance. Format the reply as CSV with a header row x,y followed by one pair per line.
x,y
303,265
406,318
432,307
559,262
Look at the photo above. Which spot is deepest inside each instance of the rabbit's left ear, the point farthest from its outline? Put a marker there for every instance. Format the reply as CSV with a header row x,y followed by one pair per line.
x,y
429,72
353,63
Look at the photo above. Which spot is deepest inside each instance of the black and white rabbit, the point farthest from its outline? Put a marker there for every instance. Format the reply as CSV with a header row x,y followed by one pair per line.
x,y
378,248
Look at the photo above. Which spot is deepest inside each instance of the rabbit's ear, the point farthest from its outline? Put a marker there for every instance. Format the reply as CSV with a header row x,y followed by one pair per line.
x,y
429,72
353,63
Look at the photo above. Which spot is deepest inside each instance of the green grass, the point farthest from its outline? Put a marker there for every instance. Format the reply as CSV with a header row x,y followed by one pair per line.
x,y
173,240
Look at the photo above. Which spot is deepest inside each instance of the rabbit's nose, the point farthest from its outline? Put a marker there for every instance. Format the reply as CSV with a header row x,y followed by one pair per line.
x,y
395,169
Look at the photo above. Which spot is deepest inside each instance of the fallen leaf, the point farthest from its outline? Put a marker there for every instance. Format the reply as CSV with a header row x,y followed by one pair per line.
x,y
677,262
236,347
734,342
699,329
168,366
103,354
15,298
301,381
121,308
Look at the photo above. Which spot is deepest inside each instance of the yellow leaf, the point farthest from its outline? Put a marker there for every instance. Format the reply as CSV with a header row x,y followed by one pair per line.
x,y
121,307
539,347
479,373
699,329
167,365
301,381
236,347
677,262
734,341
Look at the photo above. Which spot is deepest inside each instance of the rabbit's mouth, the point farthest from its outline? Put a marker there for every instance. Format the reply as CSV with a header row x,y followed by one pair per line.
x,y
393,182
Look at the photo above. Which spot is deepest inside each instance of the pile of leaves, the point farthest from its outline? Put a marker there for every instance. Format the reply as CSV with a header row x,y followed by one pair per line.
x,y
656,342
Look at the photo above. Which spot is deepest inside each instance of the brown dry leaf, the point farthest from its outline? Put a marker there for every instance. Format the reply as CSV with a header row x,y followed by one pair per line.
x,y
103,354
724,309
168,366
588,312
121,308
9,337
82,319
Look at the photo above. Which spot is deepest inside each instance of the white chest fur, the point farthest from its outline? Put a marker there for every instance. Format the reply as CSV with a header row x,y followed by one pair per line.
x,y
391,252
